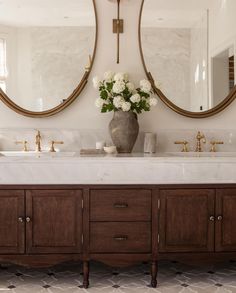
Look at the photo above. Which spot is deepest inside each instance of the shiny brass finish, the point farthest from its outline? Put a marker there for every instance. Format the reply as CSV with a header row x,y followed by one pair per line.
x,y
213,145
185,145
28,219
212,218
200,138
20,219
118,28
24,142
67,102
220,218
121,205
38,139
121,238
217,109
52,149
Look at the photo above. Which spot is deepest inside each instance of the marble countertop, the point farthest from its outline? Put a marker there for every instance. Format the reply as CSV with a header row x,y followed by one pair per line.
x,y
136,168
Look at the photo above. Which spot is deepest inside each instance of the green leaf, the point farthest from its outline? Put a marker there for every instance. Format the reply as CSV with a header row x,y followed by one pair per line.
x,y
104,94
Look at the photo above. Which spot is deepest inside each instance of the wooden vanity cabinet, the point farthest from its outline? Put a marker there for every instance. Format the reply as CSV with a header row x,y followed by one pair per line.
x,y
197,220
116,225
40,221
120,226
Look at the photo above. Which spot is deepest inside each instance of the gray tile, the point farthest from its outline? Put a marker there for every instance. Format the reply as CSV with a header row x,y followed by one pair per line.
x,y
173,277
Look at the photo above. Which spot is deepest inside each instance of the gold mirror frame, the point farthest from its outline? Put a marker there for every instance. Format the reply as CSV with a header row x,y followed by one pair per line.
x,y
33,114
220,107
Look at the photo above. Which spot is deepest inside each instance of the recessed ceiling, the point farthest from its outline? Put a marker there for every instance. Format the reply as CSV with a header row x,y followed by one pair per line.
x,y
47,13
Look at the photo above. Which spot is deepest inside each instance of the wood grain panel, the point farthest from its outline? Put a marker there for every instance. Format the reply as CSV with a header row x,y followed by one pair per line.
x,y
185,224
107,237
12,231
226,220
56,221
120,205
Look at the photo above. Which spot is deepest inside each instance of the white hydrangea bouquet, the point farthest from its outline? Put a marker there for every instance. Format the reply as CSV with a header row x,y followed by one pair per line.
x,y
117,93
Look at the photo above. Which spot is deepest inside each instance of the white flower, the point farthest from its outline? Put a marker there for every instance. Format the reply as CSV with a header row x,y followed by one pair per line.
x,y
126,106
99,103
108,75
118,101
96,82
119,76
152,102
118,87
135,98
126,76
145,86
130,86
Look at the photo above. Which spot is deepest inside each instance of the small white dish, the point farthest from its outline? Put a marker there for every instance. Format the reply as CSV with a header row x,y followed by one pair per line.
x,y
110,149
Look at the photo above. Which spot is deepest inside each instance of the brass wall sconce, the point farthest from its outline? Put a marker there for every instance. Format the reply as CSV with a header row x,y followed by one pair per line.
x,y
118,28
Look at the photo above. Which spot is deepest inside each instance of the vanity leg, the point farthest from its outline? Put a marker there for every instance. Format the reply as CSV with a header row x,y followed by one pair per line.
x,y
154,274
86,274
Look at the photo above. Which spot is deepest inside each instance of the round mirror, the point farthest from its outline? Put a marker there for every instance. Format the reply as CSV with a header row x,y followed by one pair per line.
x,y
47,48
188,51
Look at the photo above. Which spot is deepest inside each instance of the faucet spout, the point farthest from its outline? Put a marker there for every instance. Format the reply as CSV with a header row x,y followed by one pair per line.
x,y
38,141
200,139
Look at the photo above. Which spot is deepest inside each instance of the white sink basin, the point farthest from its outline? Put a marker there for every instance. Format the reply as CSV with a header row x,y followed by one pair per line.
x,y
35,154
201,155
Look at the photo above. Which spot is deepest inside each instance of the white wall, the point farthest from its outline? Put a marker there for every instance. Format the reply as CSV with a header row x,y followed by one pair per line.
x,y
83,114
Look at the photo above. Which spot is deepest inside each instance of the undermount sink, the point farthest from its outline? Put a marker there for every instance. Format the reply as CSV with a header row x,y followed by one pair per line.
x,y
36,154
201,154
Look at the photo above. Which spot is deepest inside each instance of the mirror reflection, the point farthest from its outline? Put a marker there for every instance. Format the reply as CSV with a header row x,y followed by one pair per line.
x,y
189,47
44,49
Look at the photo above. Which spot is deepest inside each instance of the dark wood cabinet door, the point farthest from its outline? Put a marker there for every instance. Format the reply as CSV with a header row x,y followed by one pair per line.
x,y
187,220
12,226
226,220
54,221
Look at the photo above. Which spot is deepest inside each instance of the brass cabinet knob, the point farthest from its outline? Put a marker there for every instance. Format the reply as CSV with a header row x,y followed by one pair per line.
x,y
20,219
212,218
219,218
28,219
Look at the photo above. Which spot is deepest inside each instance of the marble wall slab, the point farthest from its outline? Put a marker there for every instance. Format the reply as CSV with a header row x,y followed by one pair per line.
x,y
75,139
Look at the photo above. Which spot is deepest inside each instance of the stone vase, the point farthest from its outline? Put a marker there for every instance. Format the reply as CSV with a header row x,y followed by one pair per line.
x,y
124,129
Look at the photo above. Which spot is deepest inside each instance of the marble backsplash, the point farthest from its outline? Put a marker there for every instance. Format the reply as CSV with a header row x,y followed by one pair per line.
x,y
75,139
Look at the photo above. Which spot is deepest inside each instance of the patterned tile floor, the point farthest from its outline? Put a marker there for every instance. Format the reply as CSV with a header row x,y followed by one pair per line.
x,y
173,277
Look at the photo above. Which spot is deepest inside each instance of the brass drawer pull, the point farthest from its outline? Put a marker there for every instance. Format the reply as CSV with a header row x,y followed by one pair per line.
x,y
121,238
212,218
28,219
121,205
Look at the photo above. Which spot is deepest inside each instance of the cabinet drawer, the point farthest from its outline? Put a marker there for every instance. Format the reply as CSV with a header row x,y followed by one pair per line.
x,y
120,205
115,237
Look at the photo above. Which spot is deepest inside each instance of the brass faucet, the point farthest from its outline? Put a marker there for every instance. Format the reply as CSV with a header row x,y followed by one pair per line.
x,y
24,143
38,141
52,149
184,143
200,137
213,145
